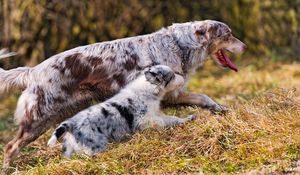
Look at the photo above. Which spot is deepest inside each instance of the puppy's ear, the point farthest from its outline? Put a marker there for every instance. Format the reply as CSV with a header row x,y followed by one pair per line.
x,y
153,77
148,75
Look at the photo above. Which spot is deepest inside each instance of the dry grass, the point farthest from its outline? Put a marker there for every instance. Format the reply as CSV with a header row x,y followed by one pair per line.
x,y
259,135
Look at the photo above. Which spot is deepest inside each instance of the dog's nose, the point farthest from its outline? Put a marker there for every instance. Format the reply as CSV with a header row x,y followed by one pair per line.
x,y
244,47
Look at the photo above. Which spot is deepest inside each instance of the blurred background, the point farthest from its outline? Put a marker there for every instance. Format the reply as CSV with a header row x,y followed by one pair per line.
x,y
268,71
38,29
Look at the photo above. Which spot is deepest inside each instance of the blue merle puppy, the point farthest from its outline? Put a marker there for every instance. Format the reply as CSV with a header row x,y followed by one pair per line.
x,y
136,107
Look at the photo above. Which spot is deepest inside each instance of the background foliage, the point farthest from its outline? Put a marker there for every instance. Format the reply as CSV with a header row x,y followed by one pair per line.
x,y
37,29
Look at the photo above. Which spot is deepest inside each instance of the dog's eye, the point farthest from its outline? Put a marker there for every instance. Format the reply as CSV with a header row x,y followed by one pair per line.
x,y
157,79
200,32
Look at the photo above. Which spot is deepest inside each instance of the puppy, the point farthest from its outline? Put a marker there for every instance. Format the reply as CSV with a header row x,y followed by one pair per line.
x,y
134,108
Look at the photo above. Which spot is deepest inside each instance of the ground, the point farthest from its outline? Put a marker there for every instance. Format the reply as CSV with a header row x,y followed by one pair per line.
x,y
259,135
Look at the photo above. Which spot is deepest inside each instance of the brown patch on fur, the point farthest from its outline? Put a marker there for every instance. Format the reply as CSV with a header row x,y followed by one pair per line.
x,y
28,117
120,79
58,100
67,88
131,63
77,69
201,31
95,61
36,111
59,67
98,82
41,102
111,58
8,146
78,72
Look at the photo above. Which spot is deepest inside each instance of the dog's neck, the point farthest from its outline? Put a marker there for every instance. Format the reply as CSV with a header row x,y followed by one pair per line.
x,y
193,54
192,59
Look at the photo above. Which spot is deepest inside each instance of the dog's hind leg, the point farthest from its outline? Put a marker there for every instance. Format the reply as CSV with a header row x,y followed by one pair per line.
x,y
26,134
34,116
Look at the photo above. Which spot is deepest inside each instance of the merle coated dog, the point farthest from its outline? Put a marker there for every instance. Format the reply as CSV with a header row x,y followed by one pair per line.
x,y
65,83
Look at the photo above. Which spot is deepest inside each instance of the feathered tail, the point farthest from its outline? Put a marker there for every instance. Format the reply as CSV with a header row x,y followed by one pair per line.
x,y
14,78
4,53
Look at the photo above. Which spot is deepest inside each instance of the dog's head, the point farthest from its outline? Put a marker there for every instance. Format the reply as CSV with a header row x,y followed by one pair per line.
x,y
160,75
218,38
212,37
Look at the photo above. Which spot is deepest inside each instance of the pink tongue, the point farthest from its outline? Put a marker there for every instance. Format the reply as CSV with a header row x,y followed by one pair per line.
x,y
228,62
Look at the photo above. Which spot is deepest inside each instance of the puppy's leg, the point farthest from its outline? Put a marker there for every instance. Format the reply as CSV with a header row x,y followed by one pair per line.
x,y
164,121
67,150
169,121
68,145
188,98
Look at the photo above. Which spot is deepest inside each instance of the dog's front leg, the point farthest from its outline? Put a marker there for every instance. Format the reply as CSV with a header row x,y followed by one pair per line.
x,y
189,98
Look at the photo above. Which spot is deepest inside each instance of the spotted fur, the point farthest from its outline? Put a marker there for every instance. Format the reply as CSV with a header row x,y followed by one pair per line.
x,y
68,82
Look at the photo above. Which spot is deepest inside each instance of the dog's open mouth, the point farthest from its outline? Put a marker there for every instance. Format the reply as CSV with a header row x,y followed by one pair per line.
x,y
225,61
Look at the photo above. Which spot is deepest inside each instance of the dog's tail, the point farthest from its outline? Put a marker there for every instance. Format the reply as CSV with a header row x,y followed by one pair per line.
x,y
14,78
59,132
4,53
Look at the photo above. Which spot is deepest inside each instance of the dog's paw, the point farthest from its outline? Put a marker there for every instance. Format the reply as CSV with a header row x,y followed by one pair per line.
x,y
219,109
191,117
188,118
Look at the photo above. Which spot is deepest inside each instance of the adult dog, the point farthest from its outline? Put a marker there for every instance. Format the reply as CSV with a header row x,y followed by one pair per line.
x,y
65,83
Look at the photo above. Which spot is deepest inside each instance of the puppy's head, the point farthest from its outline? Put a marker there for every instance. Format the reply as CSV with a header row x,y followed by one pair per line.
x,y
217,38
160,75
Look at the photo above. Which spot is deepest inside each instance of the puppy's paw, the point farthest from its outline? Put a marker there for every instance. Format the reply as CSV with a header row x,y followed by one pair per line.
x,y
191,117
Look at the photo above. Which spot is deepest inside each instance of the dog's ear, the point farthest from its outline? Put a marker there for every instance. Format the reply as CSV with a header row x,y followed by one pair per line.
x,y
217,29
202,35
153,77
201,31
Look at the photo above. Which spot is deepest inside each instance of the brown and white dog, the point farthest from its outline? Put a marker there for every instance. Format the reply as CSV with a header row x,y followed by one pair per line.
x,y
67,82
